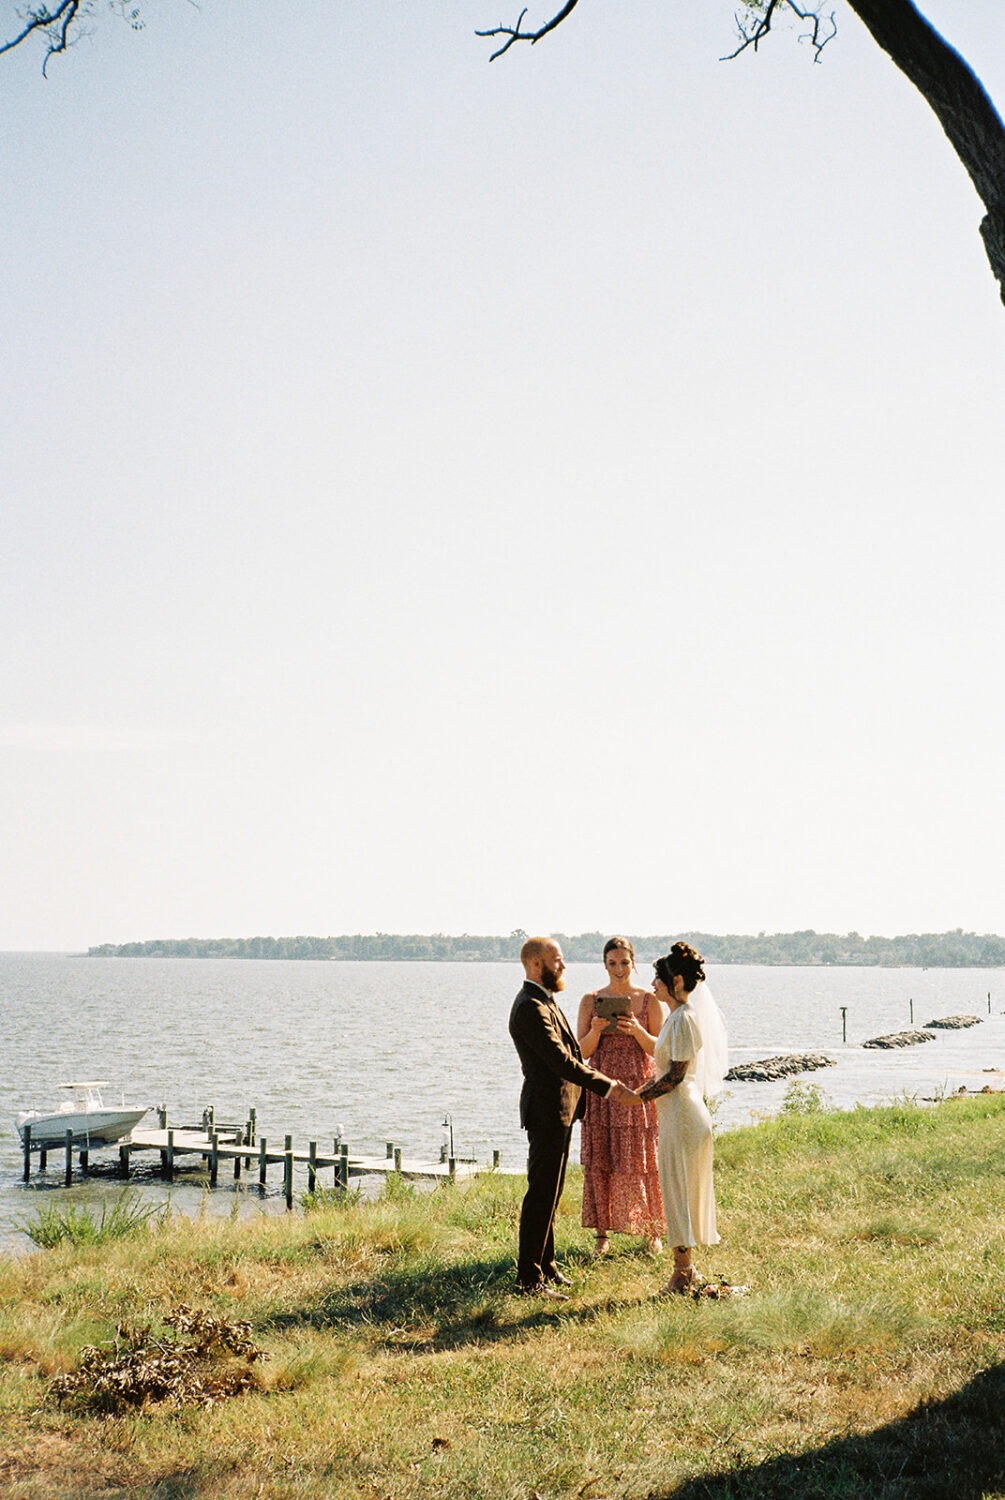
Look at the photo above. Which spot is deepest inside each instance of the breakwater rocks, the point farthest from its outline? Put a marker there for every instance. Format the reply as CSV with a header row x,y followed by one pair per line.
x,y
954,1023
901,1039
770,1069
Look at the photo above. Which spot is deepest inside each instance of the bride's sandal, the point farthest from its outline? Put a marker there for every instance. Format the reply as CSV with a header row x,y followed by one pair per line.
x,y
683,1284
603,1245
685,1280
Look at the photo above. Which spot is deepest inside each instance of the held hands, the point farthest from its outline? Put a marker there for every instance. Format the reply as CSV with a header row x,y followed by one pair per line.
x,y
624,1095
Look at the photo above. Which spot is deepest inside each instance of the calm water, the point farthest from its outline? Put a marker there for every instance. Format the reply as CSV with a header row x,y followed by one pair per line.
x,y
386,1050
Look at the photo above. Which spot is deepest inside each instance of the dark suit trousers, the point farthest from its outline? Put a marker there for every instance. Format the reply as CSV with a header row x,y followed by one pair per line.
x,y
547,1154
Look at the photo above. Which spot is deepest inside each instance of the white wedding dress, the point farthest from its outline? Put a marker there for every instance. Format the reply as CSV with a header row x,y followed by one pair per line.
x,y
685,1143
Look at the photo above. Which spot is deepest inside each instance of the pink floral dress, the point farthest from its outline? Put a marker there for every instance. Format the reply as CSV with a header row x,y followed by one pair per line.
x,y
619,1147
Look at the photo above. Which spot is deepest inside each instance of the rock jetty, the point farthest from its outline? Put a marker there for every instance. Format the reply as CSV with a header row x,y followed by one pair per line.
x,y
770,1069
901,1039
954,1023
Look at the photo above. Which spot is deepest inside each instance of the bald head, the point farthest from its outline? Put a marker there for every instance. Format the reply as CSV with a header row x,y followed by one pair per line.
x,y
543,963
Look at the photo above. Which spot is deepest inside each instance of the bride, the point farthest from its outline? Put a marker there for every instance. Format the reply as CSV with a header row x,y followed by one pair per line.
x,y
690,1054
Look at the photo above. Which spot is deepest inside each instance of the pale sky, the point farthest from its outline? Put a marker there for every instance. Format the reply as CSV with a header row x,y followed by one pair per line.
x,y
564,493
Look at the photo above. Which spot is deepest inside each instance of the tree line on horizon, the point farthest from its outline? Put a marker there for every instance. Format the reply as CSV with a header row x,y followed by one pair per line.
x,y
948,950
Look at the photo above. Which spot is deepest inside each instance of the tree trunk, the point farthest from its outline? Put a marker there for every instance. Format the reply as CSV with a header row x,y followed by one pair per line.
x,y
959,100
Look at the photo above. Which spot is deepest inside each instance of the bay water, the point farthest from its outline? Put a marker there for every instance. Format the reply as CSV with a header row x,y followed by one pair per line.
x,y
388,1051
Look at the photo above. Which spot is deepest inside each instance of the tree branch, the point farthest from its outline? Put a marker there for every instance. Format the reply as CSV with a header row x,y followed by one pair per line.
x,y
822,29
945,81
515,34
54,24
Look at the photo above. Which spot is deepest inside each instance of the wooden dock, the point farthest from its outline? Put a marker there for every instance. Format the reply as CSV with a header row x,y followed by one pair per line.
x,y
241,1147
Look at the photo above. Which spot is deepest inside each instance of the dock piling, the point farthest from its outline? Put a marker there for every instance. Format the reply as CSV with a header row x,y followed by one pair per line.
x,y
241,1144
249,1135
288,1170
495,1159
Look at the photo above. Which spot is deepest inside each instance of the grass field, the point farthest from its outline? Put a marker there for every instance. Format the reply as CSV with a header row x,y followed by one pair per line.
x,y
867,1359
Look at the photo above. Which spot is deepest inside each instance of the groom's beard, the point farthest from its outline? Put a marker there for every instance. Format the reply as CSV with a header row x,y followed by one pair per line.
x,y
551,981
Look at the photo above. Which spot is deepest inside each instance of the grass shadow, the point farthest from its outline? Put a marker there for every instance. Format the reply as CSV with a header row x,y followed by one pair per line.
x,y
951,1447
433,1306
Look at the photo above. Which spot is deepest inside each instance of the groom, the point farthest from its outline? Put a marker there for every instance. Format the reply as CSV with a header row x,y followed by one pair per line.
x,y
554,1077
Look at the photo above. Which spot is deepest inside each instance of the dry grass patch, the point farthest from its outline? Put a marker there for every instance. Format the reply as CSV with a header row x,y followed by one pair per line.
x,y
400,1364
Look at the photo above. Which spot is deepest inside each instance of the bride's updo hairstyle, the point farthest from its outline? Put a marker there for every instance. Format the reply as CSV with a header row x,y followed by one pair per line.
x,y
683,960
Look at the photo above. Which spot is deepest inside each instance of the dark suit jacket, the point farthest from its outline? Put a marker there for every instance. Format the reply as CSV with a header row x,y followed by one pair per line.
x,y
554,1073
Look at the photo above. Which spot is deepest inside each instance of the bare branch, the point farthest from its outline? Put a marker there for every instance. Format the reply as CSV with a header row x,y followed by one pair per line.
x,y
54,24
822,29
515,34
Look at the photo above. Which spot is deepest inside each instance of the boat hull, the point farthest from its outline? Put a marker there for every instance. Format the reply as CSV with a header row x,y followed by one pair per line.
x,y
97,1127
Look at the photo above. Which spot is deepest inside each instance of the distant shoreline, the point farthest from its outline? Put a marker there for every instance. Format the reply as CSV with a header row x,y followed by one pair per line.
x,y
804,949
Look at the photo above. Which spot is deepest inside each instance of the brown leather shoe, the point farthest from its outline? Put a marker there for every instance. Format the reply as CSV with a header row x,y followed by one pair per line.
x,y
540,1289
558,1278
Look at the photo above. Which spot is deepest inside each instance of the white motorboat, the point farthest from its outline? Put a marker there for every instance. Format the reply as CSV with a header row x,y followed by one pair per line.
x,y
93,1122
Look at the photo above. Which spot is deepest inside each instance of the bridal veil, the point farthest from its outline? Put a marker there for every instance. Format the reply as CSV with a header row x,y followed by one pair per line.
x,y
713,1054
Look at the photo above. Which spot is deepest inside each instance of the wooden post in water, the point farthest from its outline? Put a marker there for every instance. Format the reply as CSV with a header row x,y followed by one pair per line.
x,y
162,1117
288,1170
249,1136
989,1002
169,1157
26,1141
342,1168
397,1159
495,1159
43,1157
69,1157
85,1157
911,1004
390,1150
123,1159
452,1167
214,1158
844,1023
263,1164
312,1166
